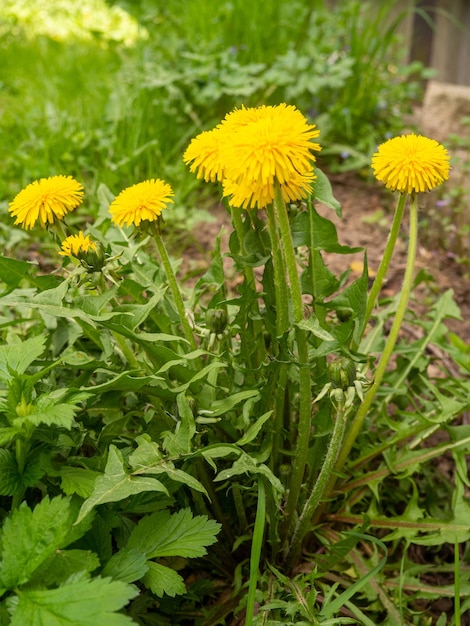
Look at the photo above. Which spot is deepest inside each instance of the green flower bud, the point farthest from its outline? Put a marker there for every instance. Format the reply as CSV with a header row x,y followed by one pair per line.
x,y
91,259
342,373
216,320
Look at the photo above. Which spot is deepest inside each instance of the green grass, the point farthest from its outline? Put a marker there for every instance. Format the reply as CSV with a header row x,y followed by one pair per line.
x,y
116,114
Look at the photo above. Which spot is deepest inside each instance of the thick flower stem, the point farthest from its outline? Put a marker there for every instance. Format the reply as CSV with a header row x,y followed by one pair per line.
x,y
387,256
392,338
251,282
175,291
280,284
305,394
256,545
304,522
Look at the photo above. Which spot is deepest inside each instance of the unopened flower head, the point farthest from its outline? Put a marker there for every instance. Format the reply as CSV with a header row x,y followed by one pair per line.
x,y
253,149
91,254
142,202
46,200
411,163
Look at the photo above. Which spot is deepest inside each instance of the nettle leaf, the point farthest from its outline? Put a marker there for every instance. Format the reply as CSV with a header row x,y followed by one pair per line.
x,y
163,580
13,481
81,602
79,480
63,564
29,537
8,434
19,356
117,484
48,411
178,534
127,565
10,480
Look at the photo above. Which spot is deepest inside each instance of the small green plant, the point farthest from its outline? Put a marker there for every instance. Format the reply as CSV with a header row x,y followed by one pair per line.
x,y
263,454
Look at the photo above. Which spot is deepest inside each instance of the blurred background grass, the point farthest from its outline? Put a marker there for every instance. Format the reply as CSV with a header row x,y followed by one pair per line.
x,y
112,93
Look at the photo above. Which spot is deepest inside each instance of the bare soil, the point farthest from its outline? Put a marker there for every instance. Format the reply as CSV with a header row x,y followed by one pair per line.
x,y
367,213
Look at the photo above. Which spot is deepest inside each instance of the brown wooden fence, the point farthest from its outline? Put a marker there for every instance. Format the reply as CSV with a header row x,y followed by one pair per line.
x,y
442,39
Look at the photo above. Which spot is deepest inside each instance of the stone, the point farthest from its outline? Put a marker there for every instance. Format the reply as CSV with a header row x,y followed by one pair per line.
x,y
444,106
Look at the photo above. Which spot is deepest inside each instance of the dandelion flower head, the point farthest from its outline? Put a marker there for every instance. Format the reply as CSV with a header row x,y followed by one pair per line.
x,y
46,200
74,245
141,202
411,163
252,149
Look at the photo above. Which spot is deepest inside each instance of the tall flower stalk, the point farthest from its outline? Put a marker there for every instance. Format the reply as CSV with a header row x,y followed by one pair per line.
x,y
141,206
409,164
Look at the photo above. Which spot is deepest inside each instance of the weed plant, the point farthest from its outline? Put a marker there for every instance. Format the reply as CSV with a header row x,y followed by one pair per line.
x,y
267,455
270,453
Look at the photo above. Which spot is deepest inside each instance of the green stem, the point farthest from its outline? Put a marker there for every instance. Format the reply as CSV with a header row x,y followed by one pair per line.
x,y
305,393
279,409
457,608
257,334
239,506
304,522
280,285
387,257
289,255
392,337
256,545
188,333
126,350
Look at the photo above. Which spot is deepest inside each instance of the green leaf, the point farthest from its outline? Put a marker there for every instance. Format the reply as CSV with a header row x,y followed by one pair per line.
x,y
127,565
8,434
323,192
10,479
179,534
117,484
311,229
254,429
29,537
147,459
312,325
12,272
63,564
179,442
220,407
18,357
13,481
162,580
245,464
79,602
47,411
77,480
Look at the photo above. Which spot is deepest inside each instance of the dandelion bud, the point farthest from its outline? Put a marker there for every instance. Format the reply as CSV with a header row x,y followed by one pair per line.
x,y
342,373
92,259
216,320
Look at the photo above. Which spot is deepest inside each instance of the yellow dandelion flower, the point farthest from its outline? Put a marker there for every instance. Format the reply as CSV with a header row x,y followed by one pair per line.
x,y
411,163
252,148
255,195
75,245
275,147
141,202
203,151
46,200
